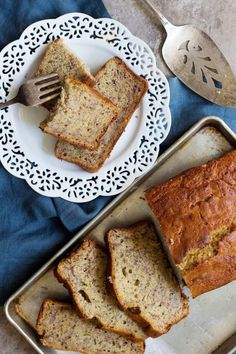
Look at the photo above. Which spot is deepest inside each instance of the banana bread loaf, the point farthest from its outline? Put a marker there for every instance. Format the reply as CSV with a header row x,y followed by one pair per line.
x,y
197,215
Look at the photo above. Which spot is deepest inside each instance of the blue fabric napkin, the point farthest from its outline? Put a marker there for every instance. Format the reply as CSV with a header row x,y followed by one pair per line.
x,y
33,227
187,108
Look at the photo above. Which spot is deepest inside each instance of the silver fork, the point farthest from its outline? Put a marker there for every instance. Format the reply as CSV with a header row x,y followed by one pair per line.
x,y
36,91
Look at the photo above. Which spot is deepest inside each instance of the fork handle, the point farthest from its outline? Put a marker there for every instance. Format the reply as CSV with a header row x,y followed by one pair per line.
x,y
8,103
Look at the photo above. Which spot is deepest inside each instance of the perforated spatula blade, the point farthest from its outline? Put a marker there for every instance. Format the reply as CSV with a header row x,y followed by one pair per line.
x,y
197,61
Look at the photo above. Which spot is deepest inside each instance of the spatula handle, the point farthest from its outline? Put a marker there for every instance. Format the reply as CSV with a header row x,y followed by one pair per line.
x,y
166,24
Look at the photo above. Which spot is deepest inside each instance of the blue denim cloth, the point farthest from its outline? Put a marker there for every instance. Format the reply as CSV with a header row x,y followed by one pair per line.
x,y
187,108
34,227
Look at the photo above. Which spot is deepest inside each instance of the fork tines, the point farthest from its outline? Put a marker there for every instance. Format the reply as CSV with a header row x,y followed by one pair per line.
x,y
49,87
46,78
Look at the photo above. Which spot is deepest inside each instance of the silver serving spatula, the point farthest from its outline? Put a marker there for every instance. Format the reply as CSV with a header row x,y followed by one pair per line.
x,y
197,61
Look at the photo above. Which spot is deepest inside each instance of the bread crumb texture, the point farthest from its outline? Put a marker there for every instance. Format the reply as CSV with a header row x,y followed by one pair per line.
x,y
60,327
142,278
59,59
84,273
125,89
81,116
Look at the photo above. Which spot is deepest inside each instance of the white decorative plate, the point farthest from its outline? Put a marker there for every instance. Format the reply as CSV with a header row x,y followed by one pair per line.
x,y
27,153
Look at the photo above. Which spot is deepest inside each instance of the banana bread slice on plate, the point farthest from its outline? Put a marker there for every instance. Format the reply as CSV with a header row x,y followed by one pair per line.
x,y
81,116
60,60
125,89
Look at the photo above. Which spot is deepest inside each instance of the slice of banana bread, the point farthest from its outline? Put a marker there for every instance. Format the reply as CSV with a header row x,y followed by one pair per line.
x,y
126,89
61,328
60,60
84,273
142,278
81,116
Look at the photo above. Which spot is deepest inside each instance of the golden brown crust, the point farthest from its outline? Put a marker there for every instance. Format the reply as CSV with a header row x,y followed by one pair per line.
x,y
43,124
94,168
71,140
192,205
88,80
217,270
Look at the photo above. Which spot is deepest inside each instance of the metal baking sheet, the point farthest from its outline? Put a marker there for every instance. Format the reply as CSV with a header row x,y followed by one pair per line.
x,y
211,324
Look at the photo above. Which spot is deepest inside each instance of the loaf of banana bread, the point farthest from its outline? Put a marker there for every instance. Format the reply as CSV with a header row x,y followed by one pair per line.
x,y
197,215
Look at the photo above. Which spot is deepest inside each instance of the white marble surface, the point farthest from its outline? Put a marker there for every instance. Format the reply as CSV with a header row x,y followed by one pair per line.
x,y
216,17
